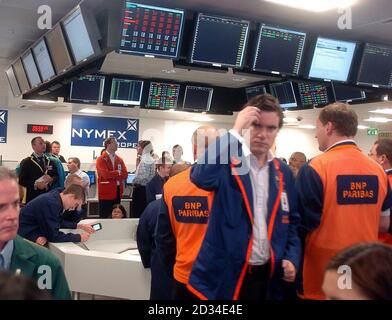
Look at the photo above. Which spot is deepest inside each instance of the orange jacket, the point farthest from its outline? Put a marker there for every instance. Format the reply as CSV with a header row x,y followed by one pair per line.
x,y
189,209
108,176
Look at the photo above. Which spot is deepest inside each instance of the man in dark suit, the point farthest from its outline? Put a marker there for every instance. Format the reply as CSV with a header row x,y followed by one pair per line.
x,y
37,172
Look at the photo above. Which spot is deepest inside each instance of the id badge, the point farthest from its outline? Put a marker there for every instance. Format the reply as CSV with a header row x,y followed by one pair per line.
x,y
285,202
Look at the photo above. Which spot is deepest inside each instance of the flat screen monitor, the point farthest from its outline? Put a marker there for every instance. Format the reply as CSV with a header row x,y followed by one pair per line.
x,y
83,34
45,66
58,48
91,175
313,94
21,76
31,69
255,91
126,92
376,66
332,59
345,93
152,31
13,82
163,95
88,89
197,98
284,92
219,41
130,178
279,50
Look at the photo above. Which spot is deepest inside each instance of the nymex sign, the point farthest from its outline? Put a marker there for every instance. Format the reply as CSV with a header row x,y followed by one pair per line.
x,y
3,126
92,131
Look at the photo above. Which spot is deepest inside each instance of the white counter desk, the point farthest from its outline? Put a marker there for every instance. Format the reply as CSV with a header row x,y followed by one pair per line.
x,y
108,263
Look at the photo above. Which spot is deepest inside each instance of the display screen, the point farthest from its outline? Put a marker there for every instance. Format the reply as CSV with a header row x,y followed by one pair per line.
x,y
198,98
21,76
219,41
150,30
163,95
97,226
91,175
78,36
130,178
59,50
279,50
31,70
376,66
284,92
126,92
346,93
255,91
332,59
313,94
44,63
87,89
40,128
13,82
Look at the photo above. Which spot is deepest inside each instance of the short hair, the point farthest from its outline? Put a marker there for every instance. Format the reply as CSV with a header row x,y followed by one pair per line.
x,y
75,190
76,160
162,161
268,103
7,174
108,141
384,146
55,142
48,148
71,179
342,116
177,168
371,269
35,139
121,207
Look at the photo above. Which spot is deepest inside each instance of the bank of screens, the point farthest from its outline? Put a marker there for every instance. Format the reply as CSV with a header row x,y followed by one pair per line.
x,y
313,94
346,93
150,30
31,69
376,66
126,92
254,91
332,59
279,50
163,95
21,76
219,41
59,50
284,92
197,98
44,63
87,89
13,82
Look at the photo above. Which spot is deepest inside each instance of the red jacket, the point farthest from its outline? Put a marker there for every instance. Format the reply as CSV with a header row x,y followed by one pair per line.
x,y
108,176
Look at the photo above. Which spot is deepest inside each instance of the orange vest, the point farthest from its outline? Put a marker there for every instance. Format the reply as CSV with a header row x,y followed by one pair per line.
x,y
354,190
189,209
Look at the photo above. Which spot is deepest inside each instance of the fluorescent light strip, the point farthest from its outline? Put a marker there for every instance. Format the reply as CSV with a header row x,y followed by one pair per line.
x,y
315,5
41,101
93,111
378,119
383,111
307,126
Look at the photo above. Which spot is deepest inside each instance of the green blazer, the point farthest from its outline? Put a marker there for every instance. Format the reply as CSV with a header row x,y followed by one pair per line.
x,y
28,257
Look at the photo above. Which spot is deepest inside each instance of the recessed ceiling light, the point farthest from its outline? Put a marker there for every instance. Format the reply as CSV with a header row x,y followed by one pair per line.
x,y
378,119
315,5
307,126
290,120
88,110
42,101
169,71
382,111
202,118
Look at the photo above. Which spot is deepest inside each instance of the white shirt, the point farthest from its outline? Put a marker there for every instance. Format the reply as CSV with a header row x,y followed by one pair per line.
x,y
112,158
339,142
259,177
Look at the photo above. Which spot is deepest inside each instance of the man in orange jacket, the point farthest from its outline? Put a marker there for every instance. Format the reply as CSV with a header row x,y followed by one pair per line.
x,y
111,172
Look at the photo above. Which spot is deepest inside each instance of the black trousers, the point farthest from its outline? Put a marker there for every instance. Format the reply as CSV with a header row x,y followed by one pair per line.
x,y
139,201
255,284
181,292
105,206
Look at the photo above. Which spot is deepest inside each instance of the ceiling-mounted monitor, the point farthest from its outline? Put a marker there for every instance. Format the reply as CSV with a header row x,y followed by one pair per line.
x,y
219,41
13,82
126,92
44,63
279,50
313,94
163,95
82,32
332,59
197,98
284,92
31,69
151,31
376,66
346,93
255,91
58,48
21,76
87,89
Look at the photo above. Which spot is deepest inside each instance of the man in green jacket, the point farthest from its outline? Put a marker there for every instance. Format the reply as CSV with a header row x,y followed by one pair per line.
x,y
21,256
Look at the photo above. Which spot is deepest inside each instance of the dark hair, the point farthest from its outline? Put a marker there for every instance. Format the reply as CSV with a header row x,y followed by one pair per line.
x,y
48,148
55,142
76,190
76,160
384,146
19,287
108,141
144,143
35,139
121,207
342,116
268,103
371,267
